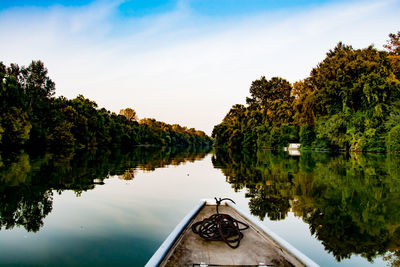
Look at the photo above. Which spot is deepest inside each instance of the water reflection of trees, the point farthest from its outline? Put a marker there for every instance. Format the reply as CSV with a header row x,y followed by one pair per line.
x,y
351,203
27,182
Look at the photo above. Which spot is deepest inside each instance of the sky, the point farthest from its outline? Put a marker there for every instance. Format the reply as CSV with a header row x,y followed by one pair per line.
x,y
185,62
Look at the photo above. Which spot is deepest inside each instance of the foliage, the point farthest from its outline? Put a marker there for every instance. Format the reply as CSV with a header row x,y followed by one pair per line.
x,y
16,127
129,114
393,142
346,103
393,46
32,117
307,135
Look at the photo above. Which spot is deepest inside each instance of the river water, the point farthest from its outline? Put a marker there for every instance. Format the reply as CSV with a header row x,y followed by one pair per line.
x,y
114,208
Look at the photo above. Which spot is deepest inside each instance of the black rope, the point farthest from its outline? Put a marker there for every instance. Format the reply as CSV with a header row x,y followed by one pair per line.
x,y
220,227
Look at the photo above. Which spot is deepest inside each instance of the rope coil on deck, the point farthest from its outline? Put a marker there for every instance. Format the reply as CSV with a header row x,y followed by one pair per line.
x,y
221,227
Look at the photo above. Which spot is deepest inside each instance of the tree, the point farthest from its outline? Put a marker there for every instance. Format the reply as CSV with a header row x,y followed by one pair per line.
x,y
304,103
349,80
393,45
36,83
15,128
263,92
31,116
393,142
129,114
235,115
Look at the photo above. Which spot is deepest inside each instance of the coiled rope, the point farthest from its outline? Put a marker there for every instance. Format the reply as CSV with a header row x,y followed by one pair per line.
x,y
220,227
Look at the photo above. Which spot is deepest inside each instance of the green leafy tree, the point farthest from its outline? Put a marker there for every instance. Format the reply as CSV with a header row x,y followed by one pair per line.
x,y
304,105
393,141
346,103
16,128
307,136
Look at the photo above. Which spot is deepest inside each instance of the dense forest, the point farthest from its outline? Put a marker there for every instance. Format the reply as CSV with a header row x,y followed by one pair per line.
x,y
31,117
350,101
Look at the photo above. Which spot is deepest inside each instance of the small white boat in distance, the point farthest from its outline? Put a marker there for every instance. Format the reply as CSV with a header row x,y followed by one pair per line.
x,y
258,247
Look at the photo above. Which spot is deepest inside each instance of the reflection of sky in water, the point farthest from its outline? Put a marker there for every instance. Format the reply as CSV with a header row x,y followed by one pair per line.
x,y
124,222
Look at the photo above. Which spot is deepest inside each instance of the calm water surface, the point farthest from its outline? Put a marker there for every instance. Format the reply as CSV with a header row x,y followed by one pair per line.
x,y
114,208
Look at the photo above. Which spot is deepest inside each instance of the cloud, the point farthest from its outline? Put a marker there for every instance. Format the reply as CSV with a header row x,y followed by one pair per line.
x,y
181,66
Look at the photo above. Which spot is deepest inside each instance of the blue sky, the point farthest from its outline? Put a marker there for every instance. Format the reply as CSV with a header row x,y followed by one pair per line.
x,y
183,62
206,7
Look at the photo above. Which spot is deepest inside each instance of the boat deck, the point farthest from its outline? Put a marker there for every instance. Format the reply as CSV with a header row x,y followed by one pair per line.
x,y
256,248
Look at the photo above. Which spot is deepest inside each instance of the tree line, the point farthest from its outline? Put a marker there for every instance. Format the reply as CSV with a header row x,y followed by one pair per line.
x,y
31,117
350,101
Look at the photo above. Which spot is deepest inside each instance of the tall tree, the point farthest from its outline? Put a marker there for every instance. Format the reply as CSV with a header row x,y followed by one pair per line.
x,y
263,92
393,45
37,84
129,113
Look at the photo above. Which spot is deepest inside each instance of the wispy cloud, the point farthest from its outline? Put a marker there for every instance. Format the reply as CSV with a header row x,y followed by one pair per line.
x,y
181,66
